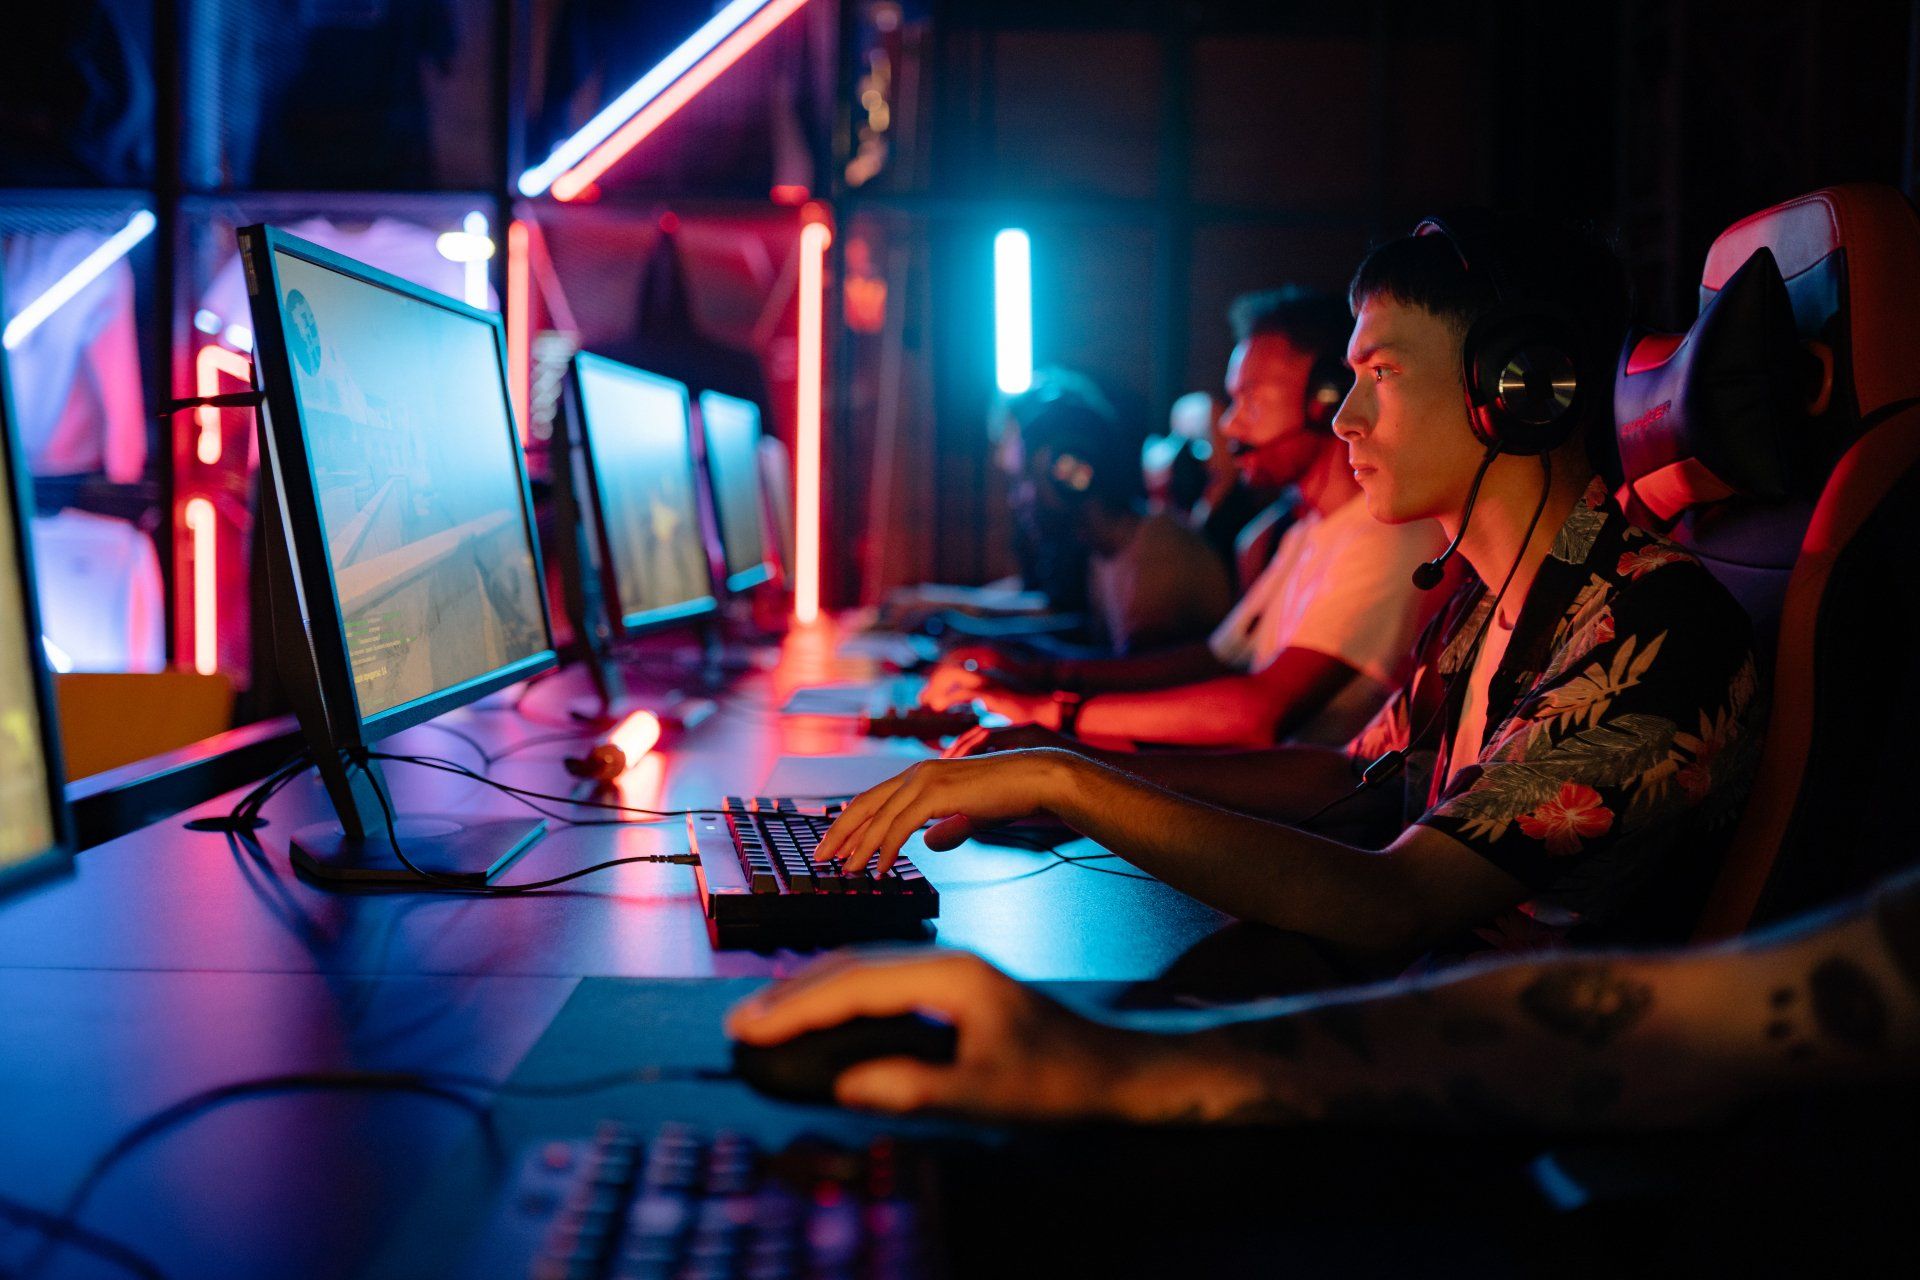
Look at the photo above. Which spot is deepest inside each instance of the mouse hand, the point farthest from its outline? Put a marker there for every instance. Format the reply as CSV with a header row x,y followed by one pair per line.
x,y
952,687
959,795
1019,1054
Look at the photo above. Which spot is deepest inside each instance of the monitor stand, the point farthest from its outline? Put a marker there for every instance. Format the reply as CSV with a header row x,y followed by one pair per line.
x,y
613,700
465,850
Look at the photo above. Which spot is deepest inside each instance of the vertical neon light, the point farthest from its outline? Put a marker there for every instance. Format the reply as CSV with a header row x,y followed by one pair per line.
x,y
519,323
1013,311
207,368
206,605
811,374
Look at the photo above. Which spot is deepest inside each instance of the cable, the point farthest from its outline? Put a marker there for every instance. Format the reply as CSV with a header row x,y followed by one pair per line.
x,y
526,796
497,890
58,1231
442,1086
67,1219
1390,763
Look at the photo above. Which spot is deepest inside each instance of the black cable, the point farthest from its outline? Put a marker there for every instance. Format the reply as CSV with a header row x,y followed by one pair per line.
x,y
58,1231
525,796
487,758
67,1219
1389,765
496,890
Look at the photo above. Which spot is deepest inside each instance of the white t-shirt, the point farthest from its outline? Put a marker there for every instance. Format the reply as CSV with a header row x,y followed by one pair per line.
x,y
1339,584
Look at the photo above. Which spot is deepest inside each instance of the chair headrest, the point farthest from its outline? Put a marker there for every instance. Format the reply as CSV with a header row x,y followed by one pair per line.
x,y
1851,257
1714,412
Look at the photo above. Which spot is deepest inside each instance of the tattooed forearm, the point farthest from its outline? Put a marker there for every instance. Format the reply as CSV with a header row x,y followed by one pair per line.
x,y
1590,1003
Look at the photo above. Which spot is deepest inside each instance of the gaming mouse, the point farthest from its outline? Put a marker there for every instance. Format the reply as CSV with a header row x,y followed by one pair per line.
x,y
804,1068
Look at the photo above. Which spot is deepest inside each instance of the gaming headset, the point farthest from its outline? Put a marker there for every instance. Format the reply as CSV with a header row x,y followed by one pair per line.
x,y
1528,372
1527,392
1327,385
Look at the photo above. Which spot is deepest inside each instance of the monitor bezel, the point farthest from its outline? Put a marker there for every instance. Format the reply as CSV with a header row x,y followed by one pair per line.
x,y
757,574
57,858
644,621
325,625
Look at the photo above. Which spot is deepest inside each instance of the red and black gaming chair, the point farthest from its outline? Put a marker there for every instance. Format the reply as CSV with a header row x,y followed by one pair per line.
x,y
1778,441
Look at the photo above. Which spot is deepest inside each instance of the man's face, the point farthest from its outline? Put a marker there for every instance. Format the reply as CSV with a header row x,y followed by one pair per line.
x,y
1405,421
1266,419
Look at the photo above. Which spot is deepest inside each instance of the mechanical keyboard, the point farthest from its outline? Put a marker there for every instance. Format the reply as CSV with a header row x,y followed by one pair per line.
x,y
759,883
680,1204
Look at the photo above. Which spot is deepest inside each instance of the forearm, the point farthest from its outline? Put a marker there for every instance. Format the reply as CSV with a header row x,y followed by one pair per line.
x,y
1567,1043
1227,712
1253,868
1282,784
1157,670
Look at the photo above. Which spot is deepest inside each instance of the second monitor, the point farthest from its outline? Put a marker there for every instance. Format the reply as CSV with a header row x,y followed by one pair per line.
x,y
730,430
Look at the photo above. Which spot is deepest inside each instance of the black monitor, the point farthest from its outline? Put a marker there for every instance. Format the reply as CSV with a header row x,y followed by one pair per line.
x,y
404,567
35,839
634,556
730,429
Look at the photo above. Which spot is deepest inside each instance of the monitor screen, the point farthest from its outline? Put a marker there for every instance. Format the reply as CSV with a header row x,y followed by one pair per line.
x,y
30,827
732,429
640,446
403,405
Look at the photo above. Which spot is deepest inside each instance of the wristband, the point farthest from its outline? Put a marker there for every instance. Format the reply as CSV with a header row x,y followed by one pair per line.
x,y
1070,704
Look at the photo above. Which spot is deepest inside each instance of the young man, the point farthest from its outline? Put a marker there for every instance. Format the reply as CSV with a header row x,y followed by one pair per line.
x,y
1150,579
1578,1042
1572,758
1312,649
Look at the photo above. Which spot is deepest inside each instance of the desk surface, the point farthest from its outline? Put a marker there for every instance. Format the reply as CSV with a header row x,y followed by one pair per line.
x,y
174,961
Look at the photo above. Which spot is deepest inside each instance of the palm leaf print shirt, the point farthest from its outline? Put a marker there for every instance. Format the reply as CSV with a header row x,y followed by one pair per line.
x,y
1623,728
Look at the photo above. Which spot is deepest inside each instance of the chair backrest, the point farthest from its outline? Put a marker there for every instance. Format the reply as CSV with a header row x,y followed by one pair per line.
x,y
1818,547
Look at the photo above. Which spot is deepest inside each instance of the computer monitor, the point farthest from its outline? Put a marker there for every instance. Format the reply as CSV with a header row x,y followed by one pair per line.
x,y
34,833
633,553
730,429
403,563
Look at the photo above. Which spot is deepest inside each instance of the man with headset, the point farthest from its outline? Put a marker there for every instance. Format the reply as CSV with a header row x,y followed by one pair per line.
x,y
1320,637
1582,722
1076,478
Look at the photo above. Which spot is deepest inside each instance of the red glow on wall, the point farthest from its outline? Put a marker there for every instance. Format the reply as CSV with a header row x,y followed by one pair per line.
x,y
213,361
810,375
199,519
569,185
790,193
520,324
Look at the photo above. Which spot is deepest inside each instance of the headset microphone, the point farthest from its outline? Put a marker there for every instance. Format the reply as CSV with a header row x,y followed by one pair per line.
x,y
1427,574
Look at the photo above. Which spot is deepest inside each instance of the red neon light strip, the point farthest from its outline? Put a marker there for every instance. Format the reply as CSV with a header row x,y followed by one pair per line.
x,y
213,361
206,605
520,325
814,239
650,117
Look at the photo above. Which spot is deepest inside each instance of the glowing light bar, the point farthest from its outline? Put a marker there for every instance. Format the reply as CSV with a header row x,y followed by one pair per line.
x,y
814,239
84,273
519,323
239,337
643,91
206,647
638,734
1013,311
207,368
207,322
747,24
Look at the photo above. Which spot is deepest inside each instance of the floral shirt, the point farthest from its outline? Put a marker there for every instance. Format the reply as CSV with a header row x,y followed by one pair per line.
x,y
1623,728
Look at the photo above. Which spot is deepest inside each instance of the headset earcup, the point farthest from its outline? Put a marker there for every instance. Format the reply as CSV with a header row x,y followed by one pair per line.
x,y
1327,385
1526,390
